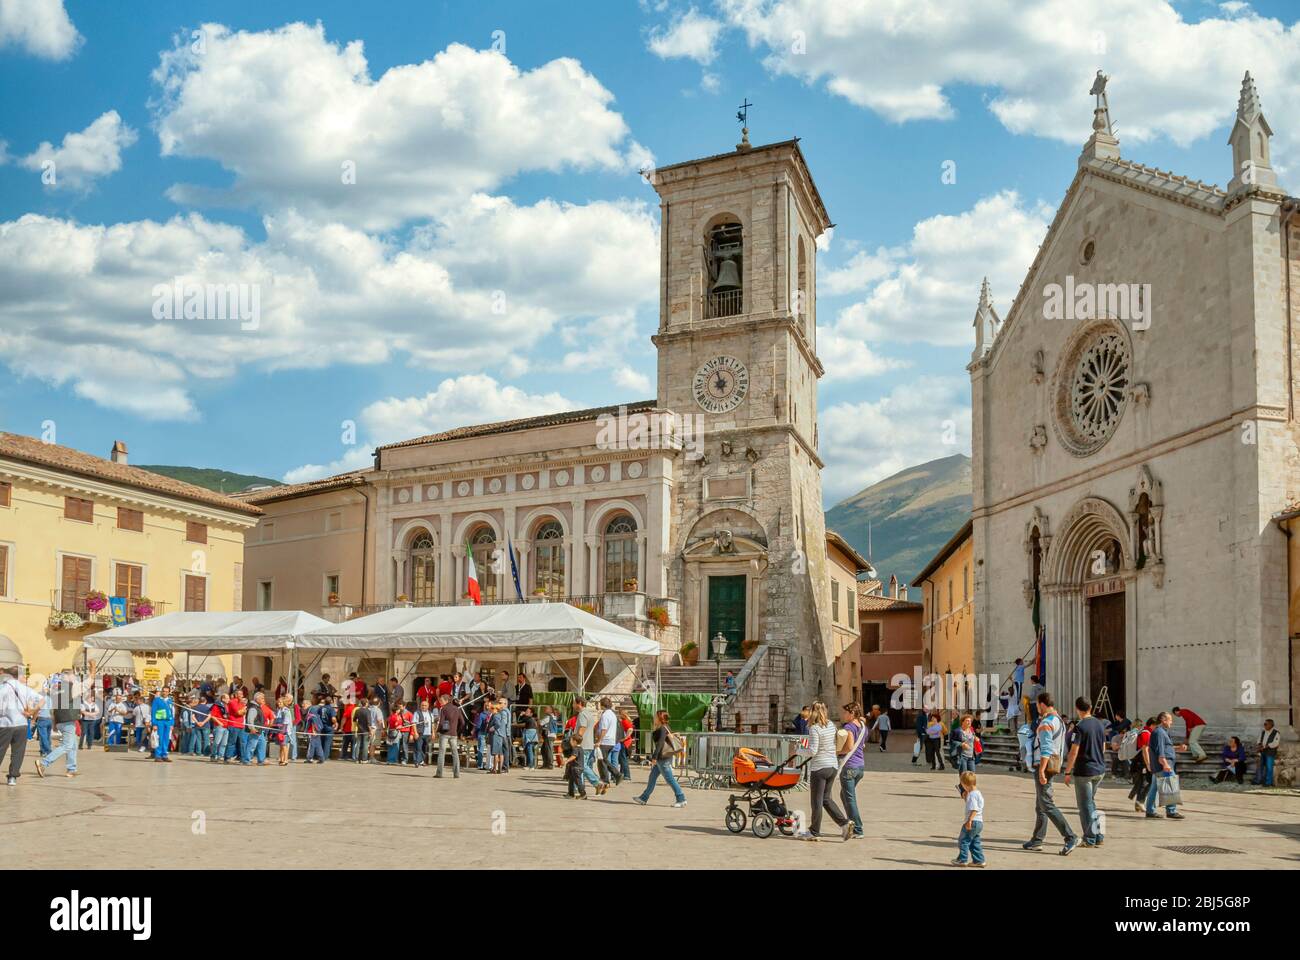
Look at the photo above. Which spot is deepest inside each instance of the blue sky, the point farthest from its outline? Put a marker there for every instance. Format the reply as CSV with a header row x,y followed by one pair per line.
x,y
376,303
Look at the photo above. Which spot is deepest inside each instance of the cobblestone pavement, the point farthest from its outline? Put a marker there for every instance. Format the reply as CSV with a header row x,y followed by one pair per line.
x,y
193,813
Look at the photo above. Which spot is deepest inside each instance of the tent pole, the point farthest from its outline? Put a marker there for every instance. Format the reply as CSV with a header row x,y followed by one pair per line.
x,y
582,671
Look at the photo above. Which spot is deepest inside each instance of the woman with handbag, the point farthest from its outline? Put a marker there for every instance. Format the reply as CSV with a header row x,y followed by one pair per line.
x,y
664,746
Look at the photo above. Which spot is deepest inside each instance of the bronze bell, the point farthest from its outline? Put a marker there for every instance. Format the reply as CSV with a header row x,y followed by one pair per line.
x,y
728,277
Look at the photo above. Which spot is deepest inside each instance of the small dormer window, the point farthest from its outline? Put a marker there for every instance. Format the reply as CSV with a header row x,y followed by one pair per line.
x,y
724,265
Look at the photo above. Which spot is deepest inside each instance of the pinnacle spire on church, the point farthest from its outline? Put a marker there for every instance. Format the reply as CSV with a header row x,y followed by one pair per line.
x,y
986,297
1248,104
1103,144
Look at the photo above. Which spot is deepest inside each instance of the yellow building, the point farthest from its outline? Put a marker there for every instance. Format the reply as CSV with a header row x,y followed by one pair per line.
x,y
948,598
843,567
74,527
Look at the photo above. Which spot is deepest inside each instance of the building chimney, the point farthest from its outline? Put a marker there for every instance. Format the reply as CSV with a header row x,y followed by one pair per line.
x,y
902,592
893,586
119,452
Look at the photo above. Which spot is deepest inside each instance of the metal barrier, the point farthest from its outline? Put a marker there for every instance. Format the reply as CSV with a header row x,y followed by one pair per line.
x,y
707,764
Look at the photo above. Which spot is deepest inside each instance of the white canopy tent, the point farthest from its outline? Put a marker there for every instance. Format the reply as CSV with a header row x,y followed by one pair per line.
x,y
209,634
552,631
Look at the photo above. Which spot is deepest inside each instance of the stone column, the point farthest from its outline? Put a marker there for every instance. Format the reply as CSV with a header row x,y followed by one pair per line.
x,y
577,568
446,582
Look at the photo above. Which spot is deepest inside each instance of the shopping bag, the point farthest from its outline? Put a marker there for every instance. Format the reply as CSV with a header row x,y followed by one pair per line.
x,y
1168,792
916,749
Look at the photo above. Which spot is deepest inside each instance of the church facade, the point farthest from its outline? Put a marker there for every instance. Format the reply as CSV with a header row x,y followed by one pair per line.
x,y
1135,433
702,506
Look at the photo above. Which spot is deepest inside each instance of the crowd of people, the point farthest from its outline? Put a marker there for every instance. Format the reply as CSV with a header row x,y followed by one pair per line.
x,y
495,726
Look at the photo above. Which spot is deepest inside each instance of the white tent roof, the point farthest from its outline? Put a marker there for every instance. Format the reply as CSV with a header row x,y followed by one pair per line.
x,y
556,629
210,632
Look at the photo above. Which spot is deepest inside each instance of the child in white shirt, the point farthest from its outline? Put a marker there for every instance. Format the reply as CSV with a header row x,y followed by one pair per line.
x,y
969,844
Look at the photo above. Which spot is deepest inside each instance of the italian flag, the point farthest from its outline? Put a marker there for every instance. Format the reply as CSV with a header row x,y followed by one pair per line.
x,y
472,578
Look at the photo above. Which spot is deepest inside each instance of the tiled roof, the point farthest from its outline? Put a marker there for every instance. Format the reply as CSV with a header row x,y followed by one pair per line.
x,y
526,423
15,446
290,490
848,550
875,604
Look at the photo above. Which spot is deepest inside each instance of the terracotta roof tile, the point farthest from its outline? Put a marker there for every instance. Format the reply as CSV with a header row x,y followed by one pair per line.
x,y
288,491
525,423
15,446
875,604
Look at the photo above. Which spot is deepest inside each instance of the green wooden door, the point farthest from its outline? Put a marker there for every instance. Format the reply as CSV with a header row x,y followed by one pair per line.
x,y
727,613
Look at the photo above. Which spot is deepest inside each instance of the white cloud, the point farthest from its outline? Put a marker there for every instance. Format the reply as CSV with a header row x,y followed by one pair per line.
x,y
634,381
328,294
851,358
290,114
915,422
83,157
39,27
927,289
690,35
901,59
456,402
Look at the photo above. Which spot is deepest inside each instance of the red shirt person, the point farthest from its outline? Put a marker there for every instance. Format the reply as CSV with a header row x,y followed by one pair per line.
x,y
1195,727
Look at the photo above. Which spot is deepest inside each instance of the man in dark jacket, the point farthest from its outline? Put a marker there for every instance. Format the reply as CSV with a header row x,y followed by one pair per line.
x,y
450,721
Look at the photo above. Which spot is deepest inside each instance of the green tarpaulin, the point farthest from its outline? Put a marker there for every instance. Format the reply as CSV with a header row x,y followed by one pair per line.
x,y
554,698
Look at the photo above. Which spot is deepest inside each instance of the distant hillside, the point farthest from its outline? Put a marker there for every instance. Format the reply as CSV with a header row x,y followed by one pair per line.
x,y
912,515
222,481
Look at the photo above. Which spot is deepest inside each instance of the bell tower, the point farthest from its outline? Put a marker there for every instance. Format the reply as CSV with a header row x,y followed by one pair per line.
x,y
737,352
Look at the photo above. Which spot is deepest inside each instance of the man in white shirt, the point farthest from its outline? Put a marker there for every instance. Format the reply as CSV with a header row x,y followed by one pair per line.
x,y
18,702
606,737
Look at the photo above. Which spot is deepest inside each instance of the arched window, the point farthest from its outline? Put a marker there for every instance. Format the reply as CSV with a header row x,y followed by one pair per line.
x,y
803,306
548,559
724,267
424,585
620,554
483,546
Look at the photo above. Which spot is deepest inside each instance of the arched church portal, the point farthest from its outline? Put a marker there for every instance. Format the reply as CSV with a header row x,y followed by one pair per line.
x,y
1091,643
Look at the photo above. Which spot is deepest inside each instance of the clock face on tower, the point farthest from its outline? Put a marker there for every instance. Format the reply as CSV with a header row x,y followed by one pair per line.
x,y
721,384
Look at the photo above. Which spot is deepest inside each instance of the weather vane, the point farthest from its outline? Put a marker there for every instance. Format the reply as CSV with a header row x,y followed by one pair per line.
x,y
742,115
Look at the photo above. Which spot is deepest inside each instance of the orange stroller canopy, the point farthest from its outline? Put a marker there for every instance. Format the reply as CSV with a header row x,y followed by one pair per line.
x,y
749,766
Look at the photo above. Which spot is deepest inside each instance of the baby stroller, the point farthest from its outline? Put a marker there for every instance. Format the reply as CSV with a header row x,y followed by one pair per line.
x,y
764,782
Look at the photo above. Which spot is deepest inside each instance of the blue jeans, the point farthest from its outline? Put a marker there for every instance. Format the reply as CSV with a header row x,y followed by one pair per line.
x,y
114,733
292,735
588,760
1085,798
257,747
969,845
965,763
327,744
664,768
849,779
482,755
1264,770
220,737
89,732
1154,792
393,750
44,727
315,747
530,753
236,744
67,747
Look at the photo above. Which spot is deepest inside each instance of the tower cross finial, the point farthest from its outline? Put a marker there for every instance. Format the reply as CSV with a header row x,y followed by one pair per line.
x,y
742,114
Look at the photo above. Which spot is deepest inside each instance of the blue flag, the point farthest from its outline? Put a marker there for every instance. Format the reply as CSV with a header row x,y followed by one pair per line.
x,y
117,608
514,570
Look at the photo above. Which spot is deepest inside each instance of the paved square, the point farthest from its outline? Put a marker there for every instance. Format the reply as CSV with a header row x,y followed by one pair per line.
x,y
124,805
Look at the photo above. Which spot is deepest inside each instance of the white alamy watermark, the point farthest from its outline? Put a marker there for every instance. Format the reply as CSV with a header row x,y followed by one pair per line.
x,y
1130,302
76,913
653,431
962,692
180,300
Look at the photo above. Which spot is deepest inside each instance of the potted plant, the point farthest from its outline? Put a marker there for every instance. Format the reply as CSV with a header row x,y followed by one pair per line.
x,y
629,585
690,653
402,598
588,607
333,599
658,615
96,601
747,648
143,608
66,620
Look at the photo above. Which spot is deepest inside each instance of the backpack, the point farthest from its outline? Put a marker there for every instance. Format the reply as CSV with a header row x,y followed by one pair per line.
x,y
1128,745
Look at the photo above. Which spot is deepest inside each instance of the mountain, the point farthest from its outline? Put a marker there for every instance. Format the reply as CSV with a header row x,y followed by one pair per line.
x,y
210,478
912,514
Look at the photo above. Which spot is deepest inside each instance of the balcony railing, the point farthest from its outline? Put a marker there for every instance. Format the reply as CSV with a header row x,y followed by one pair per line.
x,y
628,604
725,303
70,602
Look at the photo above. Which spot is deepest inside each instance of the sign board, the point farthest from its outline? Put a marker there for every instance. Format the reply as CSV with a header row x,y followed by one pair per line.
x,y
151,674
